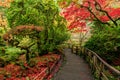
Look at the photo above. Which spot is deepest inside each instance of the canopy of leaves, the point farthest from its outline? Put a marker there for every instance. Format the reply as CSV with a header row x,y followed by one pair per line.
x,y
89,10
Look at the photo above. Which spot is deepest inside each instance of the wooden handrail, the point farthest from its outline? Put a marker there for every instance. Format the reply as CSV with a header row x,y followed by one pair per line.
x,y
105,63
100,68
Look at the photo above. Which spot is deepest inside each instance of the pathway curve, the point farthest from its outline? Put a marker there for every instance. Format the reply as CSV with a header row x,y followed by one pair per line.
x,y
75,68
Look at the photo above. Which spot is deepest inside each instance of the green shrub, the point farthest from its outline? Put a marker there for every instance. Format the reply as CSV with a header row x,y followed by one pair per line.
x,y
105,41
40,13
11,53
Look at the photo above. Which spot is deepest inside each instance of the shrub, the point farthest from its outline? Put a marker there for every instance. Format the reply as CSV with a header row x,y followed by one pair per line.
x,y
10,54
39,13
106,42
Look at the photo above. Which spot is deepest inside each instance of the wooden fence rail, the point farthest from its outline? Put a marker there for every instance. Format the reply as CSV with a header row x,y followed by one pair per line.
x,y
100,69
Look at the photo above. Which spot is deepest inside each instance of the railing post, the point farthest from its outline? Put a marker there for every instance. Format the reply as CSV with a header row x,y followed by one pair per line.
x,y
101,69
77,50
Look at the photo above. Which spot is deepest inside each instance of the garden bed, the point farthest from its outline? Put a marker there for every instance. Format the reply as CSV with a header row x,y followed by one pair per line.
x,y
40,68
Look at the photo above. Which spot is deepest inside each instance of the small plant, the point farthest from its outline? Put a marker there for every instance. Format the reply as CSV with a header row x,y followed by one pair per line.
x,y
10,54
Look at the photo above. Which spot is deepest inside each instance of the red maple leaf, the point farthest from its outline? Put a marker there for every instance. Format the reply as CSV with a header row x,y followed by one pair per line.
x,y
77,16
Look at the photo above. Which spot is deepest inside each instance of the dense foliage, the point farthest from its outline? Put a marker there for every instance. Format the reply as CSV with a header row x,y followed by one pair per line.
x,y
36,28
78,14
41,13
105,41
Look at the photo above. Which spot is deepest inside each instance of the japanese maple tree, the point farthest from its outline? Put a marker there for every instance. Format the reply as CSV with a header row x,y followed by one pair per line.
x,y
90,10
75,16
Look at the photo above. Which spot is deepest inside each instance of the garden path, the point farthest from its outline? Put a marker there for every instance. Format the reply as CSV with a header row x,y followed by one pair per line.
x,y
75,68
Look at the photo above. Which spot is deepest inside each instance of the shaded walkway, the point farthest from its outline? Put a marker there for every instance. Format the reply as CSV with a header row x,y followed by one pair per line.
x,y
75,68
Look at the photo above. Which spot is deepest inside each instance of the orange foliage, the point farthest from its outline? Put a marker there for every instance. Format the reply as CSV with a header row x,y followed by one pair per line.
x,y
5,3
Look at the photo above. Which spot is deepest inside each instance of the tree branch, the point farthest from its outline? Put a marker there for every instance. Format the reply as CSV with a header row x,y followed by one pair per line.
x,y
117,19
99,8
88,8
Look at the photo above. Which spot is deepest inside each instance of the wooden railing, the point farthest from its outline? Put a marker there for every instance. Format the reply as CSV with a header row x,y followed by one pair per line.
x,y
100,69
